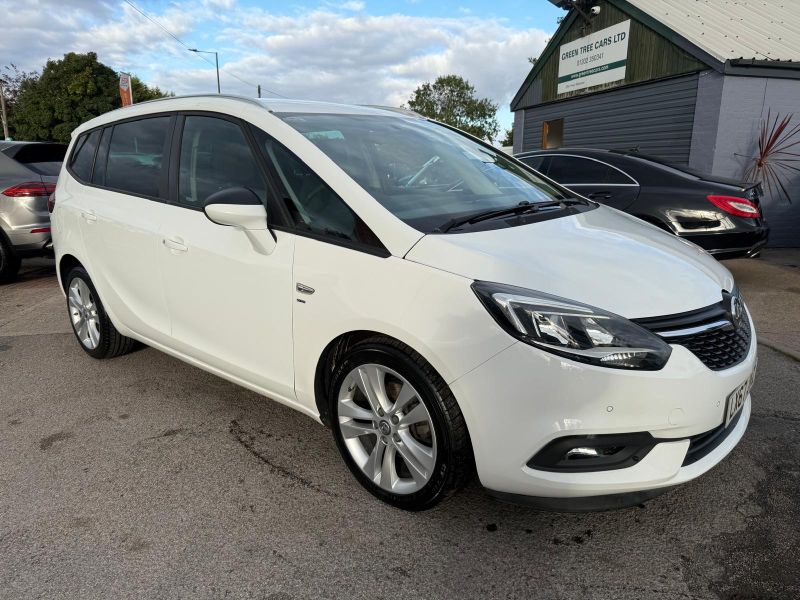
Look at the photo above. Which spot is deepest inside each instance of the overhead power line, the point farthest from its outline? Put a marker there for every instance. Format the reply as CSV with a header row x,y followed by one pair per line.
x,y
182,43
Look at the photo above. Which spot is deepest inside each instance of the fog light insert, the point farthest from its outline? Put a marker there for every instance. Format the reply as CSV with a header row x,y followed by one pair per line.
x,y
582,453
586,452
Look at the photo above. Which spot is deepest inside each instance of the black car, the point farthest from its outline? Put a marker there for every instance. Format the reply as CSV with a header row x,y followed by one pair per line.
x,y
723,216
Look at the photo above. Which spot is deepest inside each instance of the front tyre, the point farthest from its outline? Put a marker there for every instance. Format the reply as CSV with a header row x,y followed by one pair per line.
x,y
398,426
90,323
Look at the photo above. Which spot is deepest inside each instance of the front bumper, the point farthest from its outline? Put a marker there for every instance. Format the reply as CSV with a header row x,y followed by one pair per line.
x,y
523,398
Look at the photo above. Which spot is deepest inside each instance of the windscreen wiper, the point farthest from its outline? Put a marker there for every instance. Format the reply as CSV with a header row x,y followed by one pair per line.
x,y
521,208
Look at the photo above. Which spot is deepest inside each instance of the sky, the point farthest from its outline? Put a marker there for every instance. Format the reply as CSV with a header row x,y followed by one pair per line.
x,y
354,51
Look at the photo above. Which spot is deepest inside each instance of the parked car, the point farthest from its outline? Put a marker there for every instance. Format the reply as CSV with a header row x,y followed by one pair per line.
x,y
722,216
439,306
28,173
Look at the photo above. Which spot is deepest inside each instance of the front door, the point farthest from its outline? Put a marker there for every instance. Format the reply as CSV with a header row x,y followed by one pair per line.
x,y
230,306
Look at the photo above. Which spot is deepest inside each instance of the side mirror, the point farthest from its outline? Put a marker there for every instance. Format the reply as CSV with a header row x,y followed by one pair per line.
x,y
241,208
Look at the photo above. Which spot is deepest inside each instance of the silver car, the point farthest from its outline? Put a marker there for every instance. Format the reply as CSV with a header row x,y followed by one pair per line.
x,y
28,174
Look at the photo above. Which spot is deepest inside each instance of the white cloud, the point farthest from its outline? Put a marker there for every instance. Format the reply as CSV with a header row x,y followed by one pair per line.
x,y
356,6
334,52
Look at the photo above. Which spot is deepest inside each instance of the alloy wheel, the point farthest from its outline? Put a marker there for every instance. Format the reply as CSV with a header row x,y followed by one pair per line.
x,y
387,428
83,313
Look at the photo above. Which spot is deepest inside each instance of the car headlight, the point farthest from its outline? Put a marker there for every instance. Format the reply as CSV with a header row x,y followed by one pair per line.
x,y
572,329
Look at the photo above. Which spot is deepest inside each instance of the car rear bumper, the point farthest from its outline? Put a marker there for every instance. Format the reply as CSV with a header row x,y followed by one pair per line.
x,y
32,240
731,244
42,245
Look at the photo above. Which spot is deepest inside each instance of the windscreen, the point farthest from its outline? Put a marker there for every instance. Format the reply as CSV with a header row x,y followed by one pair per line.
x,y
423,172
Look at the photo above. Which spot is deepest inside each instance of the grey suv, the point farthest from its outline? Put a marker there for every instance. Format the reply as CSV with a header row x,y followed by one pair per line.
x,y
28,174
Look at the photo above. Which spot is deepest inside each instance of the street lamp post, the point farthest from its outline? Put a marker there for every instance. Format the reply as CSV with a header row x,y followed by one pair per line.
x,y
216,62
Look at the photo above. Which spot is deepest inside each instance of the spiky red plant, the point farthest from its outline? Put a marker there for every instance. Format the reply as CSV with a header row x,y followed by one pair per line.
x,y
774,163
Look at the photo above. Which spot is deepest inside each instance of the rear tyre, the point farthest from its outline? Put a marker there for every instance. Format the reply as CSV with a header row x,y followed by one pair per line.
x,y
9,262
90,323
397,425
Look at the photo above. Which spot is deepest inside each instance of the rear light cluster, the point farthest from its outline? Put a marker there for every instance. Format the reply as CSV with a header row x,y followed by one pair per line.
x,y
733,205
30,188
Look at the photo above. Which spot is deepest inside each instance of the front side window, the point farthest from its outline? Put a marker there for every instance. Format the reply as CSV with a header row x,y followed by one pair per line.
x,y
136,157
215,156
537,163
82,159
423,172
312,204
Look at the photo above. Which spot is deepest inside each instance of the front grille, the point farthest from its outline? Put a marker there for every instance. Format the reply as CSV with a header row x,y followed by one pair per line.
x,y
718,348
718,335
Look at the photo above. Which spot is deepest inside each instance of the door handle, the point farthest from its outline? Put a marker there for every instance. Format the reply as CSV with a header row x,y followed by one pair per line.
x,y
175,244
89,216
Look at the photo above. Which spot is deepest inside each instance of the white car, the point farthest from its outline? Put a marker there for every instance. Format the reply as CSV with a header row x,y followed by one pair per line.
x,y
439,305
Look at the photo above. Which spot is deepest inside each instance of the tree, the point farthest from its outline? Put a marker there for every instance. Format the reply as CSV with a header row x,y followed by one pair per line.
x,y
451,100
12,78
69,92
508,140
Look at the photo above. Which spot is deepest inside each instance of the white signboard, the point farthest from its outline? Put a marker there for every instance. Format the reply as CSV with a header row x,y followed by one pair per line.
x,y
595,59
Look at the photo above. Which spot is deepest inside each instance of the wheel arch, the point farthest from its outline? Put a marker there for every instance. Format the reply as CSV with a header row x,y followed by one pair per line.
x,y
332,354
65,264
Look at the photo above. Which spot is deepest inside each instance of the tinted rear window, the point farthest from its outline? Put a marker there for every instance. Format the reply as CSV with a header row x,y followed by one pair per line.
x,y
680,170
135,156
44,159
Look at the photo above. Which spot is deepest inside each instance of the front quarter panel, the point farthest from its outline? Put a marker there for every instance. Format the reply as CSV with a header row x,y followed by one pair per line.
x,y
434,312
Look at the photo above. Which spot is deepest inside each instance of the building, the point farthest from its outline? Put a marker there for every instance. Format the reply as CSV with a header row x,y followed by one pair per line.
x,y
687,80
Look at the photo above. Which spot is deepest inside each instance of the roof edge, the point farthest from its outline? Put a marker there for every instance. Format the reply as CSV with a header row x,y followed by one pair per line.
x,y
753,67
633,12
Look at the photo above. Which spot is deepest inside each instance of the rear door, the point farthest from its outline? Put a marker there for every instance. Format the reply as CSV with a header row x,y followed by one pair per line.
x,y
230,306
594,179
121,204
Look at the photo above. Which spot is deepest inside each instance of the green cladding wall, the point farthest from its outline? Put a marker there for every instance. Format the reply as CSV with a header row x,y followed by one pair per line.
x,y
650,55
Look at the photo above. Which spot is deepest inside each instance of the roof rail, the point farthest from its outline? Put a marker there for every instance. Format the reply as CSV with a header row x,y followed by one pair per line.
x,y
228,96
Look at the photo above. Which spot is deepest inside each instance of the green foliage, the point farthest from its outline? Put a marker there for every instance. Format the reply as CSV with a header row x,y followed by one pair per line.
x,y
69,92
12,79
508,140
451,100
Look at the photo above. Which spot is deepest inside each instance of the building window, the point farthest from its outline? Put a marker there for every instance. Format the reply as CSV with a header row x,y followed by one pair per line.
x,y
553,134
